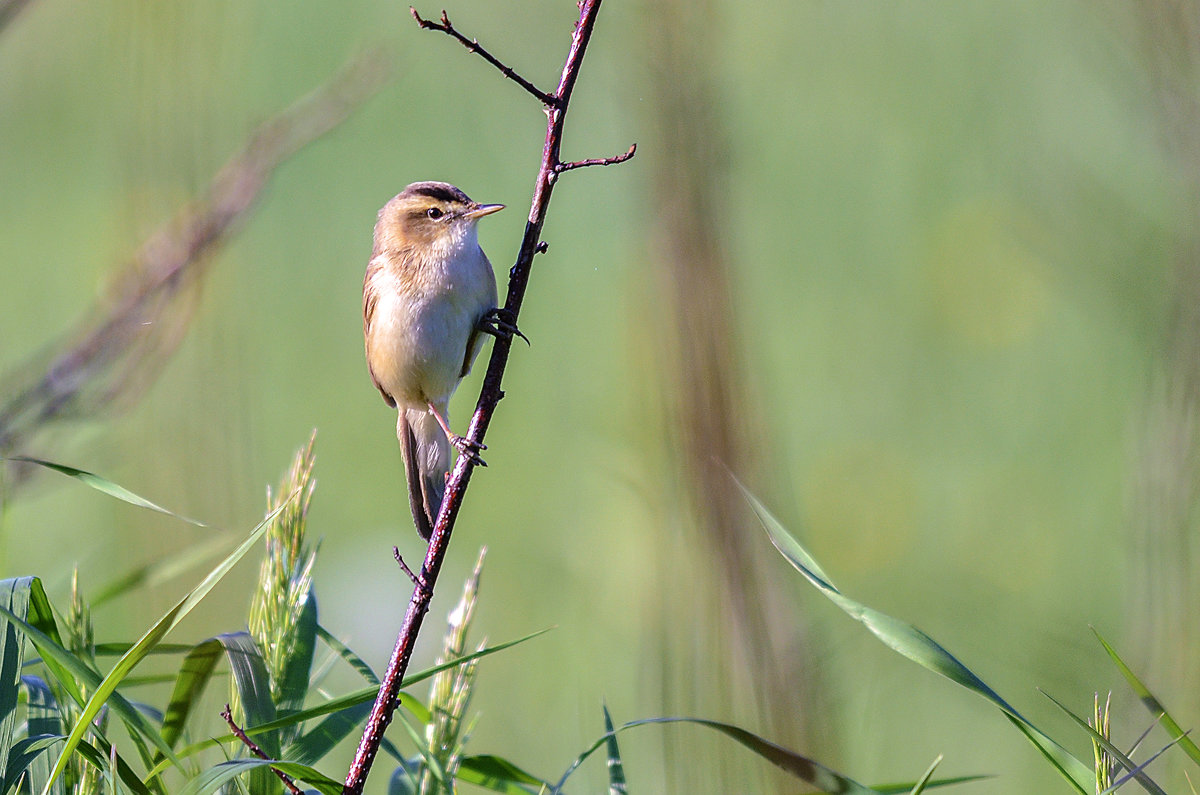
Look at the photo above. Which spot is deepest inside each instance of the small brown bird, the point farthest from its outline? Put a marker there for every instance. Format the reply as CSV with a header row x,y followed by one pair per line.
x,y
428,295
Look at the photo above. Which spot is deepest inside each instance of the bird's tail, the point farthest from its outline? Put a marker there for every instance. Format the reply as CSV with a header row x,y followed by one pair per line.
x,y
426,462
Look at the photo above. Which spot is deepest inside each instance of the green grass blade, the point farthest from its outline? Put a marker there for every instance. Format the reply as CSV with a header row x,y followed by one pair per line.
x,y
347,654
41,618
404,780
314,744
26,753
76,670
616,770
14,593
298,665
106,486
914,644
1116,753
253,685
1151,702
41,720
498,775
107,687
216,777
923,782
194,673
803,768
365,695
1133,773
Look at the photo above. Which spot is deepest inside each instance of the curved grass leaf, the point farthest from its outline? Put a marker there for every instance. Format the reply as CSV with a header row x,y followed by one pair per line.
x,y
803,768
362,696
347,654
41,617
194,673
55,657
923,782
314,744
916,645
405,778
107,687
498,775
41,720
26,753
105,486
253,685
214,778
1151,703
298,665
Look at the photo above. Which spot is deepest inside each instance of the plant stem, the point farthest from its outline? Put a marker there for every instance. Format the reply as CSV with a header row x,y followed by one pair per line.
x,y
491,393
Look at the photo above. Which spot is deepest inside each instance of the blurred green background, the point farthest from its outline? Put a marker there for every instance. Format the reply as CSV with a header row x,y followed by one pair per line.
x,y
921,273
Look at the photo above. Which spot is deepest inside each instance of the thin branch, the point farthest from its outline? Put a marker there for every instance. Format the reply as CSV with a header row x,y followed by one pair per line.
x,y
474,46
400,559
596,161
489,396
227,714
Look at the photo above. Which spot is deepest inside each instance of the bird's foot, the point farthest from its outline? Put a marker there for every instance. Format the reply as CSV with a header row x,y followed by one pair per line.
x,y
469,448
500,323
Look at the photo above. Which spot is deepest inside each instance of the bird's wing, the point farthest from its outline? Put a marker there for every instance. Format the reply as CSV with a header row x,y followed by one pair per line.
x,y
370,299
490,299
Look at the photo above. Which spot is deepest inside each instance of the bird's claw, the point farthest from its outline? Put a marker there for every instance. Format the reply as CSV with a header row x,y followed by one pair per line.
x,y
500,323
469,448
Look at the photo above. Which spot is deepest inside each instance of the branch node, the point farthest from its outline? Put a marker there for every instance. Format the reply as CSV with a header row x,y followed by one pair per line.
x,y
473,45
596,161
542,247
227,714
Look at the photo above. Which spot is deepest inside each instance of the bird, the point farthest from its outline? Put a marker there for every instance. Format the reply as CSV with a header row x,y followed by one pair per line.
x,y
429,296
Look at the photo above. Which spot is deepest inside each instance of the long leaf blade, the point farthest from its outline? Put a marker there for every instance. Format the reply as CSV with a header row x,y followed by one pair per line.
x,y
215,777
808,770
106,486
107,687
1151,703
914,644
14,593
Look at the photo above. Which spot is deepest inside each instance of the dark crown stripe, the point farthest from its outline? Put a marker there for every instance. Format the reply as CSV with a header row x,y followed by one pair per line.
x,y
438,191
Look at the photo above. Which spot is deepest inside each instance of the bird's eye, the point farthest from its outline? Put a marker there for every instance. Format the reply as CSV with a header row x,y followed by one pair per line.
x,y
434,213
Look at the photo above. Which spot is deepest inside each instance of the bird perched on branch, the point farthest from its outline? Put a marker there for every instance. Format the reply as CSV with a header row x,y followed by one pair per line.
x,y
428,295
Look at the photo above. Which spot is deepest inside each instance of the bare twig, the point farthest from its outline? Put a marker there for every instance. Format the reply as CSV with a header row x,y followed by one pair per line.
x,y
474,46
490,395
596,161
120,349
400,559
227,714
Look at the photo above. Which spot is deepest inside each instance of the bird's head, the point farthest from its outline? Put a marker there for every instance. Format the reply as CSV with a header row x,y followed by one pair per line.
x,y
430,218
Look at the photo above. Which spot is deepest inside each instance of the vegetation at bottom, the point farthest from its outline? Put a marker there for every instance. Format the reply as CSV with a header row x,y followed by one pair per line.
x,y
71,723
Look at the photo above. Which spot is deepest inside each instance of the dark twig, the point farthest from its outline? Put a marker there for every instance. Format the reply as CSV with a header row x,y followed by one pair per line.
x,y
596,161
400,559
227,714
474,46
489,396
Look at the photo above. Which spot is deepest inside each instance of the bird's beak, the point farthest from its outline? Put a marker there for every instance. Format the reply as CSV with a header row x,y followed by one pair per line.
x,y
480,210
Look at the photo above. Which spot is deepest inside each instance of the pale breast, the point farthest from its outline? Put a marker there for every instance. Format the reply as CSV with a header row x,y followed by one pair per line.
x,y
418,338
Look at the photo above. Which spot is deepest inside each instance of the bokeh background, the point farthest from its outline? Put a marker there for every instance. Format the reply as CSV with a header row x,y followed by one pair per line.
x,y
924,275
